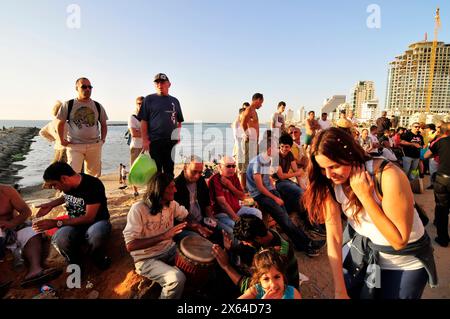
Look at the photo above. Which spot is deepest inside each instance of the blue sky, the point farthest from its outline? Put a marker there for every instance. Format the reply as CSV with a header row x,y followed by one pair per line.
x,y
217,53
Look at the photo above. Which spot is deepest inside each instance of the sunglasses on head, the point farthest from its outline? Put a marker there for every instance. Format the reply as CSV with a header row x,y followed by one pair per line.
x,y
84,87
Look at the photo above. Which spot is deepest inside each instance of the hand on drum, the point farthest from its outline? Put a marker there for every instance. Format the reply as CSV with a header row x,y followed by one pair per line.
x,y
204,231
220,255
175,230
227,242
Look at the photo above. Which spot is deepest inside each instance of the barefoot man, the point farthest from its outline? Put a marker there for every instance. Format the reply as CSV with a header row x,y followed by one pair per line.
x,y
14,213
311,127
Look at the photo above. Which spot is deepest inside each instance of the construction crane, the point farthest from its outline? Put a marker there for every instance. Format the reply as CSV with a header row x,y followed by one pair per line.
x,y
437,25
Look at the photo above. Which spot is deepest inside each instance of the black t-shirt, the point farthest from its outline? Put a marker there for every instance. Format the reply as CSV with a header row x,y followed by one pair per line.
x,y
286,161
412,151
442,148
90,191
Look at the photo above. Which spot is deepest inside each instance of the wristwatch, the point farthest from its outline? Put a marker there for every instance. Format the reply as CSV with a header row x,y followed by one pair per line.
x,y
59,223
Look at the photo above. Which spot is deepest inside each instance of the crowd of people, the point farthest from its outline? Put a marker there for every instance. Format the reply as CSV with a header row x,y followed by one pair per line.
x,y
241,218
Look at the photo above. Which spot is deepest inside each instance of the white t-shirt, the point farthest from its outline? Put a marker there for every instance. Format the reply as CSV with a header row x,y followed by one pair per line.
x,y
83,127
133,122
277,120
141,224
324,124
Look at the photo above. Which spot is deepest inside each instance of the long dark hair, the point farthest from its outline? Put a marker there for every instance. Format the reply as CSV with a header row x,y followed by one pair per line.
x,y
156,187
340,147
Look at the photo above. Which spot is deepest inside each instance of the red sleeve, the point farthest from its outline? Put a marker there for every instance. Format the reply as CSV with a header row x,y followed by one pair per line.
x,y
216,187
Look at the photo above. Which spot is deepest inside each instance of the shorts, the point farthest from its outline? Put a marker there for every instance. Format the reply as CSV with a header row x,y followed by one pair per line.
x,y
134,153
23,236
243,158
308,139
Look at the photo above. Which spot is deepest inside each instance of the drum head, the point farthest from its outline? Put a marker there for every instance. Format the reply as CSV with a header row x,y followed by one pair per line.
x,y
197,248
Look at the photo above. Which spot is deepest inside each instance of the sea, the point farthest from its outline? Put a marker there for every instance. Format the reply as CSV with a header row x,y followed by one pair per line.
x,y
210,141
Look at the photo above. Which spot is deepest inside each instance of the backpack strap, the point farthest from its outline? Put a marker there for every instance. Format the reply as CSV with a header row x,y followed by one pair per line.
x,y
378,176
97,105
70,107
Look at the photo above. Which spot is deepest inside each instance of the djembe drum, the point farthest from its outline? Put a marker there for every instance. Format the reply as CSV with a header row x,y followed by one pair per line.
x,y
195,259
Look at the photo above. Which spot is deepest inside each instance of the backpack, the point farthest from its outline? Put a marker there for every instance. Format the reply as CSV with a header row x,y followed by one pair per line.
x,y
128,136
422,214
70,107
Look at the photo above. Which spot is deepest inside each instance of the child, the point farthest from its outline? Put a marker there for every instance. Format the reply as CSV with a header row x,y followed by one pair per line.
x,y
123,176
269,280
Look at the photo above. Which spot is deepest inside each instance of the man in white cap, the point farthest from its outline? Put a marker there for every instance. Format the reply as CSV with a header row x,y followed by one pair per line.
x,y
160,117
225,192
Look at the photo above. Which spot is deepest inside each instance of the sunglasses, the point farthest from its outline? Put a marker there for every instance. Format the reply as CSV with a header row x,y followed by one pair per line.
x,y
84,87
230,166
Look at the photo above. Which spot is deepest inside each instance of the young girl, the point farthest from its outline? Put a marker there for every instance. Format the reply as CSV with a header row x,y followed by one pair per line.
x,y
269,280
389,253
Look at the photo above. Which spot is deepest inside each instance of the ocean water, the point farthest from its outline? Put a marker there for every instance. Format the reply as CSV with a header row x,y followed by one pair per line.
x,y
207,140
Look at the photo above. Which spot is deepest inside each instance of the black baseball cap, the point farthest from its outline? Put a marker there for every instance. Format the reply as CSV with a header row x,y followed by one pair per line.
x,y
160,77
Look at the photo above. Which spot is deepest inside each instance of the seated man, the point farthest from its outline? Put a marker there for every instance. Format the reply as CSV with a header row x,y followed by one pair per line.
x,y
225,193
287,168
269,199
85,200
254,234
193,193
149,235
297,149
16,234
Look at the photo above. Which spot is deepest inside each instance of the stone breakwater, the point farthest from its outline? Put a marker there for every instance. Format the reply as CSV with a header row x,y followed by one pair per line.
x,y
14,145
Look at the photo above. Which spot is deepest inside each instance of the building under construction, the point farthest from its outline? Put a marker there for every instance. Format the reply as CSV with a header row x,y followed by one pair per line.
x,y
419,80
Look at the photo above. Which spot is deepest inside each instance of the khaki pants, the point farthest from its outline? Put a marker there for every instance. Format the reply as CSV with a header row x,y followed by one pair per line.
x,y
89,154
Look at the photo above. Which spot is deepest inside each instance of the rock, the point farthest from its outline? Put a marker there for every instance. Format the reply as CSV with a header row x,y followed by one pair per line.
x,y
14,145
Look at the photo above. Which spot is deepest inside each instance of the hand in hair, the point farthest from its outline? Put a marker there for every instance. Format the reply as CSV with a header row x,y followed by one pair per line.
x,y
361,182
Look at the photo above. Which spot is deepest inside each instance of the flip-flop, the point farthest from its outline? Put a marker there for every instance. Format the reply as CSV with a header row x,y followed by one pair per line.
x,y
45,275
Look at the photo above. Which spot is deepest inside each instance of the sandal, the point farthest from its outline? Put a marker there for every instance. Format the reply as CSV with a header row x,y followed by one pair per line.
x,y
45,275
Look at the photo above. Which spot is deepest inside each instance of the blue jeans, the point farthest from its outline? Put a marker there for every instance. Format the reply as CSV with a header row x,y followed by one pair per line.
x,y
280,215
410,164
68,239
394,284
290,193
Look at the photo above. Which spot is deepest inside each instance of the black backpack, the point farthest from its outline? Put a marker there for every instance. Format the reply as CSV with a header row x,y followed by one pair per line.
x,y
70,107
422,214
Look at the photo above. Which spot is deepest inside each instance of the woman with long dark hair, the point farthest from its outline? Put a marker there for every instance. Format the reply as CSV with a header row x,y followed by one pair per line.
x,y
384,251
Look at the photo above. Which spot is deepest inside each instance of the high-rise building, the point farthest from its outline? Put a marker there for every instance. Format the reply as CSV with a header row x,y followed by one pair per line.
x,y
289,115
370,111
408,76
301,115
331,104
362,92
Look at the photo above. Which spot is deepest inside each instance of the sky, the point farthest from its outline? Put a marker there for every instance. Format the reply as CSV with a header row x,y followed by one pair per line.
x,y
216,53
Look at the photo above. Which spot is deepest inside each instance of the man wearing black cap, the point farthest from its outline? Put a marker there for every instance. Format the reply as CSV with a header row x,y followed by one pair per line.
x,y
160,116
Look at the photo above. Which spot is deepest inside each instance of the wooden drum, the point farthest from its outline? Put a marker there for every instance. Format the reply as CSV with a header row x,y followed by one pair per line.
x,y
195,259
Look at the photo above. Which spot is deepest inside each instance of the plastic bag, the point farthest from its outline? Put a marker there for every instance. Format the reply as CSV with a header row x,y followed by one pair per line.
x,y
144,167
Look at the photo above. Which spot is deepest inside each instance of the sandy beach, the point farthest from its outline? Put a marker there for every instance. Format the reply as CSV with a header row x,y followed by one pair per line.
x,y
120,280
